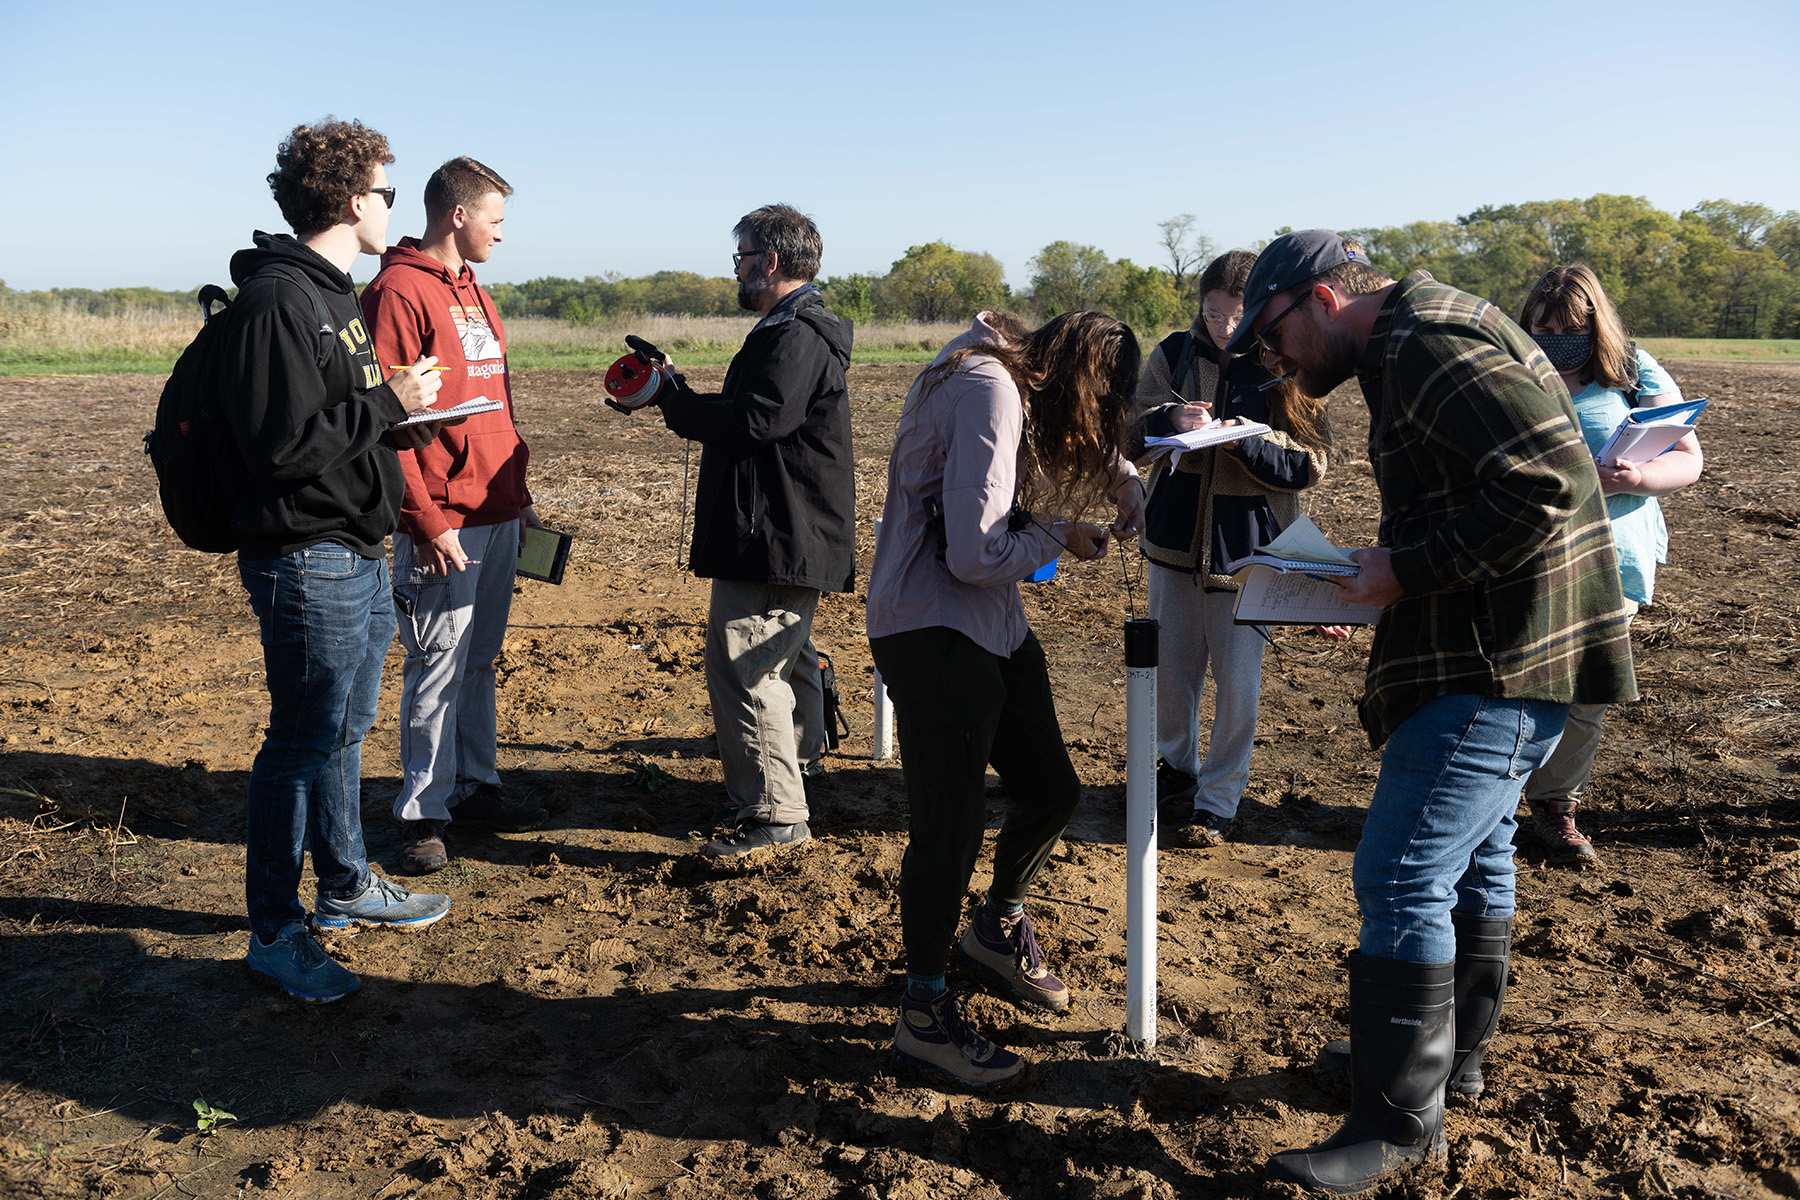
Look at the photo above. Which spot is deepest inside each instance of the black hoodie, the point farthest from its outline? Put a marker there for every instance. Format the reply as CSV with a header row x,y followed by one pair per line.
x,y
312,436
776,500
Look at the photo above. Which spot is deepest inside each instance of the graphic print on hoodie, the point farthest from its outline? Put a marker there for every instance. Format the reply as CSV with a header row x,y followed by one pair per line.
x,y
479,345
472,474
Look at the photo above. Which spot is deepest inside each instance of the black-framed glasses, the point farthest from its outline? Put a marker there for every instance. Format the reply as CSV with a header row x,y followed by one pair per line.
x,y
1262,336
386,193
737,260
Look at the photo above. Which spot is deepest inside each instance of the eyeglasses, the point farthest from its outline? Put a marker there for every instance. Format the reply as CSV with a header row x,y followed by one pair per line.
x,y
1222,320
1262,337
737,259
386,193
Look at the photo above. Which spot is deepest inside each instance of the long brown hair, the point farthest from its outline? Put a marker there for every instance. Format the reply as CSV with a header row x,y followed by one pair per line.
x,y
1292,411
1076,375
1572,296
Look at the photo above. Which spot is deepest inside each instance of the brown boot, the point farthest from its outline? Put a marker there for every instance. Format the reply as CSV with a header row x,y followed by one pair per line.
x,y
1553,821
422,847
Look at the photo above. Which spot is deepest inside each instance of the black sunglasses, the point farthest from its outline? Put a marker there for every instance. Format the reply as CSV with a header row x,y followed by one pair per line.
x,y
386,193
1262,335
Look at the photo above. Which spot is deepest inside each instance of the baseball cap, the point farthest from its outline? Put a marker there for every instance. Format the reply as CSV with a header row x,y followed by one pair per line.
x,y
1288,261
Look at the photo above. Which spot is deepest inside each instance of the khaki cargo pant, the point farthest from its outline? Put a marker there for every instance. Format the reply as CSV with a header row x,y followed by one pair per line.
x,y
768,705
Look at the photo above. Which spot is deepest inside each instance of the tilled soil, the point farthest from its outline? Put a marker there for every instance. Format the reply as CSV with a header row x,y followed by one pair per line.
x,y
606,1013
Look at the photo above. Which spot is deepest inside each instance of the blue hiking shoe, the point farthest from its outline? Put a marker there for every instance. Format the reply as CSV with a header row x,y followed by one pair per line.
x,y
299,964
383,902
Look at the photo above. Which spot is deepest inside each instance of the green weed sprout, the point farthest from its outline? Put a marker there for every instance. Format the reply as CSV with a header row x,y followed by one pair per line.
x,y
651,777
208,1118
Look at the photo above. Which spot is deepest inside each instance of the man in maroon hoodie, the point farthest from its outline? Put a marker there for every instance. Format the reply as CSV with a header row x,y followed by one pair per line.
x,y
465,510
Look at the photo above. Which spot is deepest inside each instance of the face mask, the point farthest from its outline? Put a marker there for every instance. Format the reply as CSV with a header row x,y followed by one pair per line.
x,y
1566,351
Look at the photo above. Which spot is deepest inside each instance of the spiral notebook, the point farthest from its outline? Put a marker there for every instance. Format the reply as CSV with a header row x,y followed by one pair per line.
x,y
468,408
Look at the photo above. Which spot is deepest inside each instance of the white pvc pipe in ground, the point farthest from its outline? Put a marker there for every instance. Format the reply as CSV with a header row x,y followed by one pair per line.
x,y
1140,829
884,711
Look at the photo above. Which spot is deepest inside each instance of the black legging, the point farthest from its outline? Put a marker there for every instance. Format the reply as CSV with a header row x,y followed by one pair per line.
x,y
960,708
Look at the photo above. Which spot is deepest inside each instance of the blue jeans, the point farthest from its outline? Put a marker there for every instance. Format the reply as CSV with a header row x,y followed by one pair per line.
x,y
1439,834
327,617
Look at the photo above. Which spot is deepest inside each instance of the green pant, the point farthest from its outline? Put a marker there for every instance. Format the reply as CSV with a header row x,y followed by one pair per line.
x,y
958,709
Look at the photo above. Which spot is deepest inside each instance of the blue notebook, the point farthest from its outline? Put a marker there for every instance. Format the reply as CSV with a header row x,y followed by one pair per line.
x,y
1648,432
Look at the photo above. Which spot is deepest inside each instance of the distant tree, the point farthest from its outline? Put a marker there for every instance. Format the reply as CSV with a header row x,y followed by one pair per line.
x,y
1066,277
1743,226
851,297
1186,247
1782,238
1147,299
938,282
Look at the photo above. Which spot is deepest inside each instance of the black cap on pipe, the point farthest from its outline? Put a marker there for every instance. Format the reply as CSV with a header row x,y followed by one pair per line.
x,y
1140,641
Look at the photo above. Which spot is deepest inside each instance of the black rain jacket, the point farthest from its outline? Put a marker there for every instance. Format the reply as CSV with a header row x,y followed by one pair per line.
x,y
776,500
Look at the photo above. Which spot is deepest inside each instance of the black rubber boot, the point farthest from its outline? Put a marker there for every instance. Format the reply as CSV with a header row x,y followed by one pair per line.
x,y
1483,950
1403,1038
1483,946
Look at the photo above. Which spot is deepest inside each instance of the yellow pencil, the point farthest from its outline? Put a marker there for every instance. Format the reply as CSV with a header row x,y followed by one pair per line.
x,y
410,367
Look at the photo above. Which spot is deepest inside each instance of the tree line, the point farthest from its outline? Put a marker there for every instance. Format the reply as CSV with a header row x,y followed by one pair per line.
x,y
1721,269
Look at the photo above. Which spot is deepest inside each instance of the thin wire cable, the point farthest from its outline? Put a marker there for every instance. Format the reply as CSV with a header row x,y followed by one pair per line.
x,y
687,451
1130,590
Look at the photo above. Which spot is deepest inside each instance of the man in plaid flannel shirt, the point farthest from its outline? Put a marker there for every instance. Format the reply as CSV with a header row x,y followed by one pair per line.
x,y
1501,606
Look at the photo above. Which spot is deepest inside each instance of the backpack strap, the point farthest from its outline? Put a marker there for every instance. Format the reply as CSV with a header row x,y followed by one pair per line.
x,y
1178,351
294,275
1637,383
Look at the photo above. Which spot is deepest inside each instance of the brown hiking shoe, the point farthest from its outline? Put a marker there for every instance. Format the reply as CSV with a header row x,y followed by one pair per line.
x,y
422,847
932,1034
1002,950
1553,821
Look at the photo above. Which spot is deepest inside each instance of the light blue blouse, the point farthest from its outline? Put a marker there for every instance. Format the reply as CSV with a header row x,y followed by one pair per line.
x,y
1639,535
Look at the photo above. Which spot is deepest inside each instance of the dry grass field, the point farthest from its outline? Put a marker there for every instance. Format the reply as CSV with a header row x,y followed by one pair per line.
x,y
606,1013
37,341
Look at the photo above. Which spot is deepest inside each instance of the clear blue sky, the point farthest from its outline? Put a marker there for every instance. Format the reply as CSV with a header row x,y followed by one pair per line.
x,y
136,136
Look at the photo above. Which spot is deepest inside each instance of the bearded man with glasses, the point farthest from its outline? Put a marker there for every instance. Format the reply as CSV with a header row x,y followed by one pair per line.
x,y
774,526
315,423
1501,606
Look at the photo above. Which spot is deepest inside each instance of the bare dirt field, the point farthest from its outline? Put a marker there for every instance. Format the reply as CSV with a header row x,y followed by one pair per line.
x,y
605,1013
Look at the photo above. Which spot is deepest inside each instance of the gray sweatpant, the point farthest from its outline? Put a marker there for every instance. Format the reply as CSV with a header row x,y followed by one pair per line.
x,y
1565,775
768,704
1197,631
452,628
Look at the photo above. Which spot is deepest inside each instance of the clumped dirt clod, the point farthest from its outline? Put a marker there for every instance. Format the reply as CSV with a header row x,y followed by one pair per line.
x,y
606,1013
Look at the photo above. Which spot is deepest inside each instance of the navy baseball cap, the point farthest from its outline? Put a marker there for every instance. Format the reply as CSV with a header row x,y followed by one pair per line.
x,y
1288,261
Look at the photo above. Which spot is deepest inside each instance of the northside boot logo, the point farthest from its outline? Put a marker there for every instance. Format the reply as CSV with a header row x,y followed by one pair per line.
x,y
1406,1021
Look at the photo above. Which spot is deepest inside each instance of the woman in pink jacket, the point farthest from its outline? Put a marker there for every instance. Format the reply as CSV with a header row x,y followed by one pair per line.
x,y
1004,428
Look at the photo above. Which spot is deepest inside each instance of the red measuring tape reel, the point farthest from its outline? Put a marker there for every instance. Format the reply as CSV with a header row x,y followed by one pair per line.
x,y
639,378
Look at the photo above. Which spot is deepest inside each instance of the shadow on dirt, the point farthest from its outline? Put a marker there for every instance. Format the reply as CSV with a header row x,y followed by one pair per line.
x,y
120,1016
196,803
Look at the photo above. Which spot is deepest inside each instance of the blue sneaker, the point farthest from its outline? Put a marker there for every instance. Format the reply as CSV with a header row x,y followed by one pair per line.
x,y
300,964
383,902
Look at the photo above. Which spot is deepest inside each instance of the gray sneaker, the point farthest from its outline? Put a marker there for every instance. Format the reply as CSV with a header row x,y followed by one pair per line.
x,y
751,836
383,902
300,965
